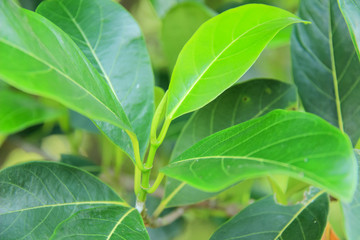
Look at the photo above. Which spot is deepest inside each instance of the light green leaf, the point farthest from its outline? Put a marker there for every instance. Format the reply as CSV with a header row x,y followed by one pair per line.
x,y
107,222
238,104
111,39
352,212
265,220
37,57
296,144
220,52
186,19
351,12
325,66
39,198
19,111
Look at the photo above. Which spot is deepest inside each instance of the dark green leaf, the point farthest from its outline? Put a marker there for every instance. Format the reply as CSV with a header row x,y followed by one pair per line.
x,y
265,220
81,162
19,111
238,104
351,12
103,223
325,66
352,212
186,19
39,58
37,197
111,39
297,144
223,48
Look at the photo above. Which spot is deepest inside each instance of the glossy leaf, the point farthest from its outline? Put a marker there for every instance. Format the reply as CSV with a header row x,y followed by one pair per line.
x,y
296,144
220,52
265,220
351,11
19,111
352,212
108,222
37,57
111,39
325,66
238,104
38,198
186,19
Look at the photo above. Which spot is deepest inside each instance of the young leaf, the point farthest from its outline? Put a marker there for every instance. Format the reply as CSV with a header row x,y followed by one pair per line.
x,y
38,198
238,104
297,144
352,211
111,39
37,57
220,52
325,66
265,219
19,111
351,12
186,19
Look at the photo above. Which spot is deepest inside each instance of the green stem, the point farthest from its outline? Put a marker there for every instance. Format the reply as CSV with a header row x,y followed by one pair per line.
x,y
155,142
137,181
156,184
135,144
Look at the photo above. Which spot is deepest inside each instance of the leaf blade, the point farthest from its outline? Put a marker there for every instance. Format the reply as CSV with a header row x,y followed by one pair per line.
x,y
351,12
238,104
112,40
271,144
19,111
192,86
265,219
326,67
82,88
40,206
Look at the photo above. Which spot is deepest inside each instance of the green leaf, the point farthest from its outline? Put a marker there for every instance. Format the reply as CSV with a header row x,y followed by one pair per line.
x,y
19,111
186,19
265,219
107,222
39,197
220,52
297,144
38,58
238,104
352,211
351,12
111,39
325,66
163,6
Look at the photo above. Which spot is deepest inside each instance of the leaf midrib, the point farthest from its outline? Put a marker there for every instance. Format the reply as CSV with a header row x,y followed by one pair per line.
x,y
308,202
72,18
333,71
119,222
69,204
214,60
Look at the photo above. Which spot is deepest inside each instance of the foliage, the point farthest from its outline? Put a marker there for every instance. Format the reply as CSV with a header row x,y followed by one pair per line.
x,y
220,142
